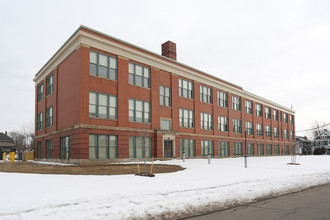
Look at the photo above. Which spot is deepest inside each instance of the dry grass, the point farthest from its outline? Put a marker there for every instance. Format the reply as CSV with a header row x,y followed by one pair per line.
x,y
107,169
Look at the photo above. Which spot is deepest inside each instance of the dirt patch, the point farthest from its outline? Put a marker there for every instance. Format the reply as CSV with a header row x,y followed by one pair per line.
x,y
108,169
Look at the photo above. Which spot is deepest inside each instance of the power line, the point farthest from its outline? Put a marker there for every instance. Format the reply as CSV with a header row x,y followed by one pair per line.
x,y
310,129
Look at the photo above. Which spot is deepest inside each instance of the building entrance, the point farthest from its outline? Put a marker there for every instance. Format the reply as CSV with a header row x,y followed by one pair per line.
x,y
168,148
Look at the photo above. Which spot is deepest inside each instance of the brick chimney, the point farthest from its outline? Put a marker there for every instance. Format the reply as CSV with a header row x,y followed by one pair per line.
x,y
169,50
5,132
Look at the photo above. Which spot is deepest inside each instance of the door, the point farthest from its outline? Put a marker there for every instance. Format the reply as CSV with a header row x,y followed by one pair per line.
x,y
168,148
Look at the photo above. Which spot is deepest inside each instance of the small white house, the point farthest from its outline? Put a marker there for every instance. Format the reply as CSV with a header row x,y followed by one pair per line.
x,y
322,140
303,146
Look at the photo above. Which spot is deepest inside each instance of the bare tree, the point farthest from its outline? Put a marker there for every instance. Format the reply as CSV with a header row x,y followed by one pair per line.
x,y
317,128
24,138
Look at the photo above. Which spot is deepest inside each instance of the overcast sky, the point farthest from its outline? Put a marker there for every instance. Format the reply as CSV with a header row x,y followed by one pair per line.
x,y
279,50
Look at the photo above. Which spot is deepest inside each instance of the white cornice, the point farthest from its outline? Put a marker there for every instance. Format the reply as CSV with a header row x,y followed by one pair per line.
x,y
120,49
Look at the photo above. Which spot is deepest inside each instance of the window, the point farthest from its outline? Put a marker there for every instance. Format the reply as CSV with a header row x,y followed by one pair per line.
x,y
222,99
249,128
188,147
39,146
186,89
276,149
139,111
40,91
260,149
291,135
102,146
237,148
102,105
268,131
165,124
249,149
49,117
65,147
206,94
291,119
223,123
286,134
237,126
206,121
165,95
139,147
102,65
275,132
268,149
259,130
248,107
223,149
39,126
275,115
207,148
50,84
236,103
49,149
186,118
267,112
139,75
258,110
286,149
285,118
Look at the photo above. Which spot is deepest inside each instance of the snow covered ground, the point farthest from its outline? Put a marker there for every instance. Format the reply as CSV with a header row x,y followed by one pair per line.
x,y
200,188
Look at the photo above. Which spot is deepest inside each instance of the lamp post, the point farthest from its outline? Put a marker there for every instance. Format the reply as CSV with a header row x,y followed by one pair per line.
x,y
245,156
144,144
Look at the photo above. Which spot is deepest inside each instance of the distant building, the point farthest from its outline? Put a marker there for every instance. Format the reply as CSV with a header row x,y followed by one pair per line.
x,y
303,145
6,143
322,140
99,97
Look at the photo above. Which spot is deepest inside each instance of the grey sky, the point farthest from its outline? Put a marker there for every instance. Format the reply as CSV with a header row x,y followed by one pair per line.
x,y
279,50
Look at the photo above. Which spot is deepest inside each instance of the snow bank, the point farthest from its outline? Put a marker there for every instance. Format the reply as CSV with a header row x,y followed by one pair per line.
x,y
200,188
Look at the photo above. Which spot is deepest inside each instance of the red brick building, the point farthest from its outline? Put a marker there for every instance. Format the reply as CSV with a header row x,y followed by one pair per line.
x,y
99,97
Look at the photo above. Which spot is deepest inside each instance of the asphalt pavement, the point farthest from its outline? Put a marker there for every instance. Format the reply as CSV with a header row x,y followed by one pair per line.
x,y
310,204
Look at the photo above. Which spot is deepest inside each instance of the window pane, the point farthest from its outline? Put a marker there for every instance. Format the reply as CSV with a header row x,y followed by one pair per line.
x,y
113,63
92,140
112,113
102,99
103,71
113,101
139,105
146,106
92,152
146,72
138,116
131,79
103,60
131,147
167,91
92,98
131,68
146,82
131,104
131,115
185,85
161,90
93,57
102,112
165,124
92,69
138,70
139,147
112,74
138,80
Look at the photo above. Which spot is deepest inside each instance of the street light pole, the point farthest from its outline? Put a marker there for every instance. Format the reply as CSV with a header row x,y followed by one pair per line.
x,y
144,144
